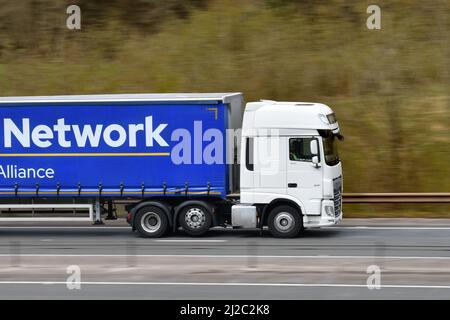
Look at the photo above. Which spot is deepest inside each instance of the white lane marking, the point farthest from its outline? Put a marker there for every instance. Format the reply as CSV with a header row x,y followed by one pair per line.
x,y
253,284
189,240
389,228
223,256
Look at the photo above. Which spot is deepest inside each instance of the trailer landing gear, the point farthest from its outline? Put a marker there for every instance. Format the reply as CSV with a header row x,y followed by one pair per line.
x,y
98,213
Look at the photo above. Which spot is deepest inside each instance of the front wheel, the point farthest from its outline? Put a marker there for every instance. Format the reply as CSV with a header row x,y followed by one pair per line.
x,y
151,222
284,222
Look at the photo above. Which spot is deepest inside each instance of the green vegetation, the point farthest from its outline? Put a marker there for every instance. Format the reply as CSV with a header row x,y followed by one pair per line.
x,y
389,87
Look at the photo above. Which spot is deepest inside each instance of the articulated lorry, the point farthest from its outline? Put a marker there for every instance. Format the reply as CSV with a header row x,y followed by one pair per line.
x,y
190,161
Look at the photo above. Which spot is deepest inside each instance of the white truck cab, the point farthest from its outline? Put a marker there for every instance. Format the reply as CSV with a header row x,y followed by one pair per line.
x,y
290,166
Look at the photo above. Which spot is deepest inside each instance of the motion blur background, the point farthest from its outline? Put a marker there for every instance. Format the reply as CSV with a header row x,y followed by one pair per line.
x,y
389,87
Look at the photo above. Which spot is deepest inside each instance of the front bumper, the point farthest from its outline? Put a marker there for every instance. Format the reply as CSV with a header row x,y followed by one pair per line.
x,y
321,221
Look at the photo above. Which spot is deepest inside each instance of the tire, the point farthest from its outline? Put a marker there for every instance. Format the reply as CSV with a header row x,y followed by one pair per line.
x,y
151,222
284,222
195,220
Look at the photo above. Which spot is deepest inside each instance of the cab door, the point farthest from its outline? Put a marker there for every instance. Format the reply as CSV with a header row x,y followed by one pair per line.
x,y
304,179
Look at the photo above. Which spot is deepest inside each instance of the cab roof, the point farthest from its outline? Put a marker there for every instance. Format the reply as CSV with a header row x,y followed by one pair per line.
x,y
290,115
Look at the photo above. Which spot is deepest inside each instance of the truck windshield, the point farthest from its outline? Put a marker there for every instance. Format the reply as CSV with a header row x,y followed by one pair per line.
x,y
330,147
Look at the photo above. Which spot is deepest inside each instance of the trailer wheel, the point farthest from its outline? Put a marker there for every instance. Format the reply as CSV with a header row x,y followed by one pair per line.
x,y
284,222
151,222
195,220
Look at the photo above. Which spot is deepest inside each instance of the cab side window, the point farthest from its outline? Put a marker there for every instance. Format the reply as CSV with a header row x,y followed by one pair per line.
x,y
299,149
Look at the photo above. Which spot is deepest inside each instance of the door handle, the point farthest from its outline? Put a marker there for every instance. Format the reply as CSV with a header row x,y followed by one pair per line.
x,y
292,185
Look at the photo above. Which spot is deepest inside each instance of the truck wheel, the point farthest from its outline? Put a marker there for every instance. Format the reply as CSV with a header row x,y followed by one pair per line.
x,y
195,220
151,222
284,222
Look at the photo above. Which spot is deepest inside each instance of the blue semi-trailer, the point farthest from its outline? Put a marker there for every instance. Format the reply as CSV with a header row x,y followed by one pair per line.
x,y
176,155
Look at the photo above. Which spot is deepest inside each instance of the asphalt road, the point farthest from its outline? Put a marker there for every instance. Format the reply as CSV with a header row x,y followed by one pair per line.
x,y
411,255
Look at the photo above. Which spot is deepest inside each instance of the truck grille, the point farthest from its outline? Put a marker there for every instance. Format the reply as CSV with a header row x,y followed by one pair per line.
x,y
337,195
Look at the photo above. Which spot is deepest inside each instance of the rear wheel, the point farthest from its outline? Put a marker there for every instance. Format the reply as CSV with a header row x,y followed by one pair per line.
x,y
284,222
151,222
195,220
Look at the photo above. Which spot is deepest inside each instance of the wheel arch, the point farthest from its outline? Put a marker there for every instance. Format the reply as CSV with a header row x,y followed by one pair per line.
x,y
275,203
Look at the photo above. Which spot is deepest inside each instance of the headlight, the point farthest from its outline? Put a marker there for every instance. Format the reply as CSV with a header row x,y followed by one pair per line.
x,y
329,210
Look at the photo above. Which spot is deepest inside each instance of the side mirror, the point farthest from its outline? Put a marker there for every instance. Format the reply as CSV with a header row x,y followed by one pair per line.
x,y
314,147
315,161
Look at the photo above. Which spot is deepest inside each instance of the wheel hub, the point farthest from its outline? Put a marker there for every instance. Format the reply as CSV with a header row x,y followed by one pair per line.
x,y
195,218
284,222
151,222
